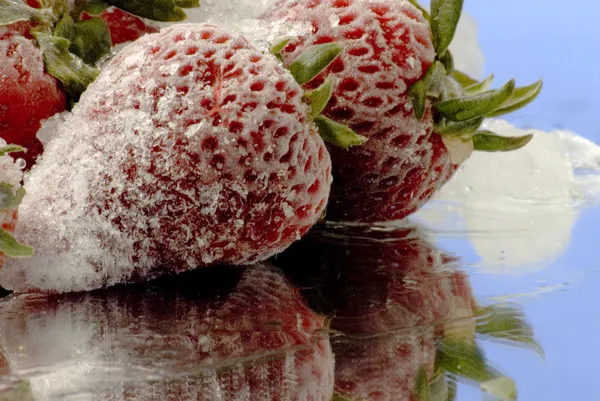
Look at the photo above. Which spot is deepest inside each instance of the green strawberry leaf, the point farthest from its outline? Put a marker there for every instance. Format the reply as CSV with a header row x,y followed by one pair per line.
x,y
338,134
520,98
439,387
12,11
11,247
187,3
501,387
279,46
313,61
445,15
421,391
478,105
430,85
460,128
447,60
452,388
69,69
90,39
320,97
158,10
421,8
94,7
8,198
337,397
463,79
463,358
19,392
487,141
507,324
4,150
480,86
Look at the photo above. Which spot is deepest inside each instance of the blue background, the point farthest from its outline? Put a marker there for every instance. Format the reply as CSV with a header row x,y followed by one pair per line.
x,y
558,41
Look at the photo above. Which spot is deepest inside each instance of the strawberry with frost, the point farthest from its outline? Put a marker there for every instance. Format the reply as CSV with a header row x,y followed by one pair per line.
x,y
48,55
396,86
192,148
406,315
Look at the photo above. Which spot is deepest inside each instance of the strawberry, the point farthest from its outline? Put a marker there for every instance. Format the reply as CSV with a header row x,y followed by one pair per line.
x,y
28,94
11,194
216,334
402,309
193,148
396,86
124,27
47,59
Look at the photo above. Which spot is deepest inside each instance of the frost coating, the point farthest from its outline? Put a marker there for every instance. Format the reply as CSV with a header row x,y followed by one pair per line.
x,y
192,148
519,208
387,48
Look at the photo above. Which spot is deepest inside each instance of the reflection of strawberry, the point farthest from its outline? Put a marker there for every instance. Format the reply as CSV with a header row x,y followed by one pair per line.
x,y
400,305
240,333
393,88
197,149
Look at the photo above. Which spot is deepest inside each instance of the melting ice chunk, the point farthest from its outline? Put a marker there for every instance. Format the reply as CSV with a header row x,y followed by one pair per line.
x,y
519,207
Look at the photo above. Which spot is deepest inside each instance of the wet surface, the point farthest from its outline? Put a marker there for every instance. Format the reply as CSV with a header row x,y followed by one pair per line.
x,y
363,313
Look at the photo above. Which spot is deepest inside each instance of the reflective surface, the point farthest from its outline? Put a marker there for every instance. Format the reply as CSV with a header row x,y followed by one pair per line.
x,y
367,314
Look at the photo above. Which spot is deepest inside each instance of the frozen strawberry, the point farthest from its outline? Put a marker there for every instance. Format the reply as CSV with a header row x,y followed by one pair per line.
x,y
28,94
404,311
124,27
193,148
215,334
395,86
42,72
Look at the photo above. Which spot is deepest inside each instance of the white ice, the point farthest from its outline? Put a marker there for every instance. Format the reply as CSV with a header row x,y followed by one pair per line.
x,y
519,208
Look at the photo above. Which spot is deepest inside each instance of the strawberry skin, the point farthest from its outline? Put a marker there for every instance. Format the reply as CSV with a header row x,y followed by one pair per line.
x,y
223,333
388,48
28,95
196,150
124,27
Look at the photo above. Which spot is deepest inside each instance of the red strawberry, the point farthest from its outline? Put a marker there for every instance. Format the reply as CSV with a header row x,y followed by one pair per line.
x,y
43,72
124,27
196,149
401,307
220,334
28,94
395,87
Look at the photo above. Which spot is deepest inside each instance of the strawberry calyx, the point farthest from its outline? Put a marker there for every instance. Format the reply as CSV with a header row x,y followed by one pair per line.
x,y
162,10
460,103
20,391
310,63
10,200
